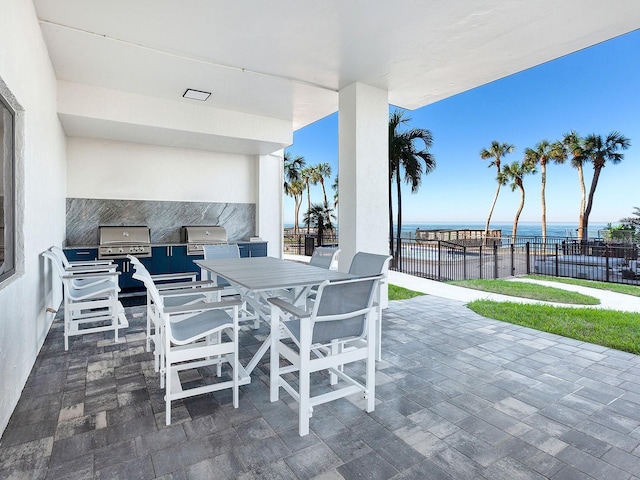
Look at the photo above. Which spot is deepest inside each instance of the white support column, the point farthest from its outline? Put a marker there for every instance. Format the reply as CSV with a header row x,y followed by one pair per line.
x,y
363,218
269,221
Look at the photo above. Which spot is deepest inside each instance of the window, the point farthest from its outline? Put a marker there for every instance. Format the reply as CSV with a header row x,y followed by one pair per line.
x,y
7,190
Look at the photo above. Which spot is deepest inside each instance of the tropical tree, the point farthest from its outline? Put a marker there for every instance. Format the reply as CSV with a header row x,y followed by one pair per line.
x,y
515,173
296,189
405,157
310,177
543,153
495,153
600,151
323,170
573,145
634,221
335,192
321,217
293,186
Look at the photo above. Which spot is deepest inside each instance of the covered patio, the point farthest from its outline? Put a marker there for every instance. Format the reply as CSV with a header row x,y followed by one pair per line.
x,y
458,396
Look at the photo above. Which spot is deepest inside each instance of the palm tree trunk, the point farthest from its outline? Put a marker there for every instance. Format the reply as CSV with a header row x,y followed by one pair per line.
x,y
324,192
308,207
587,211
399,225
391,250
495,199
515,220
296,225
543,182
583,196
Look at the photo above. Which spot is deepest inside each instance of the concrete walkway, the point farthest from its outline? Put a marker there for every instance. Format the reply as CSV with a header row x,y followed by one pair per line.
x,y
608,300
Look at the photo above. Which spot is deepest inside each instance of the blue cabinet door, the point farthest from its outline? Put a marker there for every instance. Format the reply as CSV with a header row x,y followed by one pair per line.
x,y
81,254
252,249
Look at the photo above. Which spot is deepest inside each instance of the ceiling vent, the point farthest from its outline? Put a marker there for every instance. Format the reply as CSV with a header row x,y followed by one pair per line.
x,y
196,94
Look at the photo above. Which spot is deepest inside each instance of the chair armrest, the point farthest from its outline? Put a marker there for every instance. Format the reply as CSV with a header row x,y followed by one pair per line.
x,y
91,275
289,308
202,306
180,285
189,291
90,262
174,276
90,268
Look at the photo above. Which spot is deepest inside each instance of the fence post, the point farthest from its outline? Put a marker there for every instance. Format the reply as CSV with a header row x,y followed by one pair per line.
x,y
399,247
528,255
464,262
495,261
439,260
480,257
606,269
513,253
557,261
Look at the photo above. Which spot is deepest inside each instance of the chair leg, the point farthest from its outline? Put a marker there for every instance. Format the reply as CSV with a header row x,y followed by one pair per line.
x,y
235,370
304,407
114,315
274,380
379,333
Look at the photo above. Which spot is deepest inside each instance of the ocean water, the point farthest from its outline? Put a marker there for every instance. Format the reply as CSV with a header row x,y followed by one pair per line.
x,y
525,229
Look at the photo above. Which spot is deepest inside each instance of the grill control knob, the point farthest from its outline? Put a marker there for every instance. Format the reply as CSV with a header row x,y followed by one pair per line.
x,y
109,250
121,250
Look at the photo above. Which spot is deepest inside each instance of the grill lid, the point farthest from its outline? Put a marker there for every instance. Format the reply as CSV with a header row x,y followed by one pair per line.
x,y
205,234
124,235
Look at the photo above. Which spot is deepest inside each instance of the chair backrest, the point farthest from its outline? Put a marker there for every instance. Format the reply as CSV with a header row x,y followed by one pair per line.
x,y
59,253
323,257
56,262
369,264
141,273
341,308
214,252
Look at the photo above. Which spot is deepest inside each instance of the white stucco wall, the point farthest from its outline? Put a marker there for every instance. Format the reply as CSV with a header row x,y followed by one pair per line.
x,y
26,70
128,171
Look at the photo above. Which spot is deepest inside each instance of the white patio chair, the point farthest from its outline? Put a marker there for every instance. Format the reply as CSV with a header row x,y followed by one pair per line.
x,y
192,337
363,264
336,332
175,294
323,257
88,266
90,301
222,251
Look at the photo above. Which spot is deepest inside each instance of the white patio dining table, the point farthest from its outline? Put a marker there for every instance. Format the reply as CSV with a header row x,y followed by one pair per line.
x,y
257,278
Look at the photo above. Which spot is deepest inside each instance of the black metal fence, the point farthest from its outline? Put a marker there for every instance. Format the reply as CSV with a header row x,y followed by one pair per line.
x,y
502,257
506,257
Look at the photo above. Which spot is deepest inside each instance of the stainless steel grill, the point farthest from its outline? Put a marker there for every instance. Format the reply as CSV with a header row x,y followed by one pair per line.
x,y
198,236
118,242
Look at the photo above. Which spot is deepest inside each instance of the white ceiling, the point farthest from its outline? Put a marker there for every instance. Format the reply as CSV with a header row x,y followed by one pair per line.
x,y
287,59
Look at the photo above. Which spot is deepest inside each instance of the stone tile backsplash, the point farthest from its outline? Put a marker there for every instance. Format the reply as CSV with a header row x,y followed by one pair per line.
x,y
165,219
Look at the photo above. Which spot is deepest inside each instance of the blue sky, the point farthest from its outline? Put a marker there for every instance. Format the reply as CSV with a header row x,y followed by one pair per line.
x,y
596,90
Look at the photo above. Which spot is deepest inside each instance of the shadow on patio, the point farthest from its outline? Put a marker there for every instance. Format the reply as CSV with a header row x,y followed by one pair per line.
x,y
458,396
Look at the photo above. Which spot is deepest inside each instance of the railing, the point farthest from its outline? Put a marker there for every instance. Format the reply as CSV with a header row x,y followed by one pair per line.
x,y
506,257
502,257
303,244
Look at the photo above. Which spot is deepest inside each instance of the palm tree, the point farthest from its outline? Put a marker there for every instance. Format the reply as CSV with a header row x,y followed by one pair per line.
x,y
323,170
320,216
310,177
573,145
292,174
600,151
543,153
335,191
296,189
495,152
514,173
403,155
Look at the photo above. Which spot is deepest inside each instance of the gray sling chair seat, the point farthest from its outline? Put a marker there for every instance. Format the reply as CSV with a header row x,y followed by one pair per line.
x,y
323,257
90,297
197,335
337,331
184,291
222,251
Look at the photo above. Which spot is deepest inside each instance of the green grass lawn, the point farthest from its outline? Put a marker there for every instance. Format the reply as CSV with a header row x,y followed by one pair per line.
x,y
528,290
400,293
612,287
619,330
